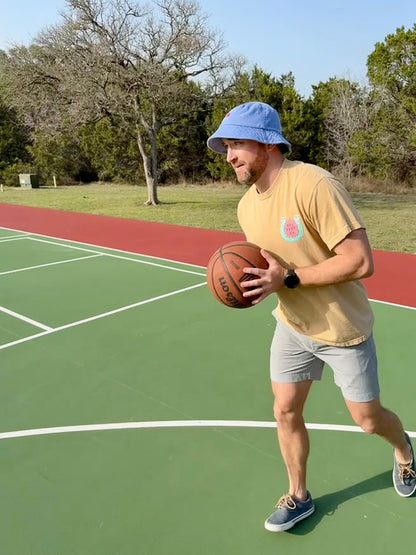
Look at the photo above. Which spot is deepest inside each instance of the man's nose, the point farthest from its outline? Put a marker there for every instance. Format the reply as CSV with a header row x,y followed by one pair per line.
x,y
230,155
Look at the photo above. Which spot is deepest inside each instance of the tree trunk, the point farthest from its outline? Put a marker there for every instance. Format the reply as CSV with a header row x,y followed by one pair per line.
x,y
151,181
152,197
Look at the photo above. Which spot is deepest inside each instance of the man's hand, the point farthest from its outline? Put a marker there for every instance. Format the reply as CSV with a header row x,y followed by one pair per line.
x,y
264,282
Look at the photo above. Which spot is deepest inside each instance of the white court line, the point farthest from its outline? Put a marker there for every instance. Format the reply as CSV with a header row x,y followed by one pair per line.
x,y
158,265
25,319
103,247
171,424
99,316
50,264
156,258
393,304
9,238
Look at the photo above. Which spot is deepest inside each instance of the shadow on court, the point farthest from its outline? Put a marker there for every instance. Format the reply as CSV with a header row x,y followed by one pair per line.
x,y
326,505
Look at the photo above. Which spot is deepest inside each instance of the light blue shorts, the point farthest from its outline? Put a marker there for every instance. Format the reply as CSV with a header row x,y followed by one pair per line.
x,y
296,358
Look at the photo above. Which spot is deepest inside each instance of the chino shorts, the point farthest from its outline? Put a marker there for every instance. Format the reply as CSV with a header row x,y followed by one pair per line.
x,y
295,357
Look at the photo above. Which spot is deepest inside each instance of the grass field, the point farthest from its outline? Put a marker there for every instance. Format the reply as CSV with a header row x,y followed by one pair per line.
x,y
390,218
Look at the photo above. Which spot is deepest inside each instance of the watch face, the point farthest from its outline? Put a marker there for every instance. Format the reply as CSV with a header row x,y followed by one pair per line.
x,y
291,280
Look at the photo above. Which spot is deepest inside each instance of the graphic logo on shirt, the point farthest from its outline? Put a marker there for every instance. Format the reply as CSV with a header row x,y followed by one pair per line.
x,y
291,229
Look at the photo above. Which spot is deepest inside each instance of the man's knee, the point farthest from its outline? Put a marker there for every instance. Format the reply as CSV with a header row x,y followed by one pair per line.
x,y
289,400
368,416
287,414
369,425
369,421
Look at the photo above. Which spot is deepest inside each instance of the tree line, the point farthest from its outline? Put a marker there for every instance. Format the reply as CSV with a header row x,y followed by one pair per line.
x,y
124,91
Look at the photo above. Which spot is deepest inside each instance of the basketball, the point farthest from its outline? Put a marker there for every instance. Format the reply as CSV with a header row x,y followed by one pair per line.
x,y
225,272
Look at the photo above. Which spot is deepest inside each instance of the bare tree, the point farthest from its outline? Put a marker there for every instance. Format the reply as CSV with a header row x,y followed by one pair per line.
x,y
346,113
118,59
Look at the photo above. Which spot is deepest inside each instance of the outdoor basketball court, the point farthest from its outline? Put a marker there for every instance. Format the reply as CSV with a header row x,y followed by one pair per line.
x,y
136,414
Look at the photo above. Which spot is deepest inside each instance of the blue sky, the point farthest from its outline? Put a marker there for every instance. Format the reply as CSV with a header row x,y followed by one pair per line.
x,y
314,39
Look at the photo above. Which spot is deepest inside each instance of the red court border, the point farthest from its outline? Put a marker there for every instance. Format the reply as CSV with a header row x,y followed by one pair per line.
x,y
393,281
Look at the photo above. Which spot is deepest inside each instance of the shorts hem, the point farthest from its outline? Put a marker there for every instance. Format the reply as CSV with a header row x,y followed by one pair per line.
x,y
367,399
296,379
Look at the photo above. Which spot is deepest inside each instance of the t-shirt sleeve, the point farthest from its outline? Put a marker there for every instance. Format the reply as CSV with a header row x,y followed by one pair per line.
x,y
332,212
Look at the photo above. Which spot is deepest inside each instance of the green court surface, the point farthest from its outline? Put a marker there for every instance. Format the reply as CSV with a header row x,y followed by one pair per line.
x,y
136,416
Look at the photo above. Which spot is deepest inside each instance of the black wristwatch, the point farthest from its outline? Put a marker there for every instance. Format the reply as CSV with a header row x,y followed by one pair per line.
x,y
291,279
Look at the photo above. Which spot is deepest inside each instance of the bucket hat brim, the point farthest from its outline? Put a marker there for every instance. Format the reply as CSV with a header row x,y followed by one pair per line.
x,y
254,121
215,142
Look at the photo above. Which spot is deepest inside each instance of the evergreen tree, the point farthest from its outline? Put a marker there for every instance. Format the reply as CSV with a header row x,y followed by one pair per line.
x,y
387,148
14,141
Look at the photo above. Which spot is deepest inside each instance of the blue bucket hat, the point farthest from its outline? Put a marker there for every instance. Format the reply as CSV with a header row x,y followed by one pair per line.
x,y
255,121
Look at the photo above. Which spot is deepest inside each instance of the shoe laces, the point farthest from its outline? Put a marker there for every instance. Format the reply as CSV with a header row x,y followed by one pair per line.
x,y
286,502
406,471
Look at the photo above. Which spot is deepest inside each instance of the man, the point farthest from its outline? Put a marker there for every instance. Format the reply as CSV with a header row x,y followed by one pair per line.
x,y
317,250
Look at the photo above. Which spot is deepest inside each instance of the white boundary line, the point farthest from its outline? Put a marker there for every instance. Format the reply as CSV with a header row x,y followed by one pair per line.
x,y
118,256
25,319
99,316
51,264
171,424
95,253
152,424
154,258
106,248
393,304
13,238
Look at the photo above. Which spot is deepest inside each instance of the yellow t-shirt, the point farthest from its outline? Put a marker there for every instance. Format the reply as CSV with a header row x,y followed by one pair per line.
x,y
299,220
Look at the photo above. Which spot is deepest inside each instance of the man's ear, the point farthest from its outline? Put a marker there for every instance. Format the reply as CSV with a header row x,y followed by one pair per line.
x,y
272,147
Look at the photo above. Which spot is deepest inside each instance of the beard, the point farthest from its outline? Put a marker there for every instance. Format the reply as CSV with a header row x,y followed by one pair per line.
x,y
254,170
248,178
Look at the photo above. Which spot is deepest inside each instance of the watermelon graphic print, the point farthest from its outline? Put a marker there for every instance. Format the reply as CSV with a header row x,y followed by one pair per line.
x,y
291,229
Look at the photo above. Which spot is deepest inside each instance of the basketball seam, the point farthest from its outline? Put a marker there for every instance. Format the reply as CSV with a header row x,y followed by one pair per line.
x,y
245,303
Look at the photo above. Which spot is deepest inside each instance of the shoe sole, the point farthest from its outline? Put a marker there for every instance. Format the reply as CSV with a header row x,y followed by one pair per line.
x,y
288,525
